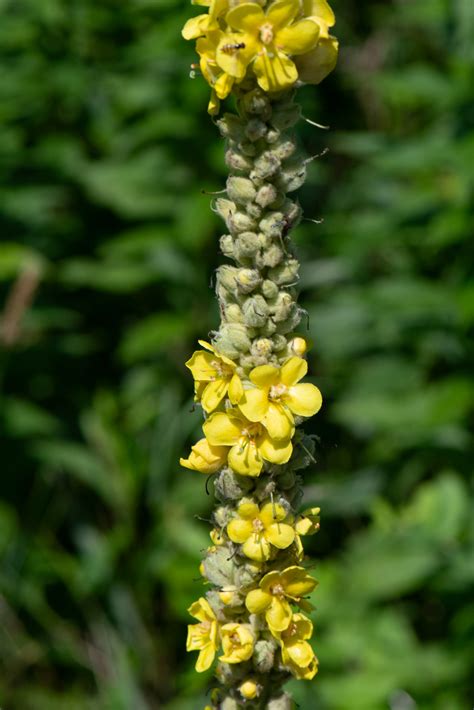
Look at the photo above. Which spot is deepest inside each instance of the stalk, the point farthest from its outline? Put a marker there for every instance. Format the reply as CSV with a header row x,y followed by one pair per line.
x,y
249,378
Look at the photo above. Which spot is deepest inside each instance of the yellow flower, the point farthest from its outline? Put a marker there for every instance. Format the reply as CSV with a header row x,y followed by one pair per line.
x,y
315,65
237,643
258,529
221,83
205,458
320,12
215,374
277,396
202,637
198,26
268,40
250,442
275,590
296,652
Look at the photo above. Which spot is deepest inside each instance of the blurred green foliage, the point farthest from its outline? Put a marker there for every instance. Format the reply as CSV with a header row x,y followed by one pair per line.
x,y
107,250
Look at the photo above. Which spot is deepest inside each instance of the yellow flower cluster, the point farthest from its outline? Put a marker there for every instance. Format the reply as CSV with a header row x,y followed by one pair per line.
x,y
278,43
249,423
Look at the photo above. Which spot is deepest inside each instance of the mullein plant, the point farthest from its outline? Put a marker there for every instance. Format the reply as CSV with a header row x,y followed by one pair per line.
x,y
249,380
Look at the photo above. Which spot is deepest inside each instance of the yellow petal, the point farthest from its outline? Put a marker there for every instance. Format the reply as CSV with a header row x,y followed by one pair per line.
x,y
293,371
236,391
223,85
264,376
297,582
299,38
278,615
280,534
275,73
281,13
307,523
214,394
201,610
234,53
239,530
246,17
248,510
304,627
257,601
319,62
214,104
303,399
254,404
300,653
201,366
221,430
256,548
271,513
275,451
195,640
269,580
279,422
244,458
205,658
320,10
195,27
205,458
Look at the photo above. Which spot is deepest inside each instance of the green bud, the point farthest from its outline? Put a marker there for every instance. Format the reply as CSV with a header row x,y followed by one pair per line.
x,y
279,343
292,211
264,655
232,337
233,314
221,516
269,328
282,307
272,136
266,195
292,177
246,245
247,363
272,224
269,289
255,311
262,348
248,148
265,166
286,326
270,257
284,148
240,190
226,244
237,161
226,277
257,103
231,126
240,222
255,129
230,704
247,280
254,210
285,116
286,273
224,208
246,574
230,486
219,566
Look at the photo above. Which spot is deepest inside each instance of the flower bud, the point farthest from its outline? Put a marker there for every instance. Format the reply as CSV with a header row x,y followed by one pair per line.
x,y
248,148
264,655
269,289
262,348
237,161
256,102
308,522
266,195
269,328
286,273
272,224
222,515
219,567
247,280
224,208
229,704
282,702
265,166
240,222
292,211
240,190
254,210
246,246
249,689
226,244
292,177
255,129
286,326
283,306
230,486
231,337
272,136
230,597
270,257
255,311
233,314
246,574
230,126
285,116
298,346
284,148
279,343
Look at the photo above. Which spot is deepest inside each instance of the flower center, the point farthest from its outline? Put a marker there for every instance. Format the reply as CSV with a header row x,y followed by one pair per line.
x,y
204,628
278,591
266,33
257,525
223,371
251,431
277,391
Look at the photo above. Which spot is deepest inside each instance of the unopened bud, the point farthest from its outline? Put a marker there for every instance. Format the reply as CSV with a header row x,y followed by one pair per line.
x,y
247,280
270,257
240,222
253,210
291,178
285,116
226,244
286,273
247,573
298,346
255,311
230,486
308,522
272,224
240,189
282,702
266,195
219,567
246,245
265,166
279,342
269,328
233,314
230,126
231,337
283,306
248,148
269,289
256,102
237,161
249,689
284,148
261,348
225,208
229,704
222,515
264,655
272,136
255,129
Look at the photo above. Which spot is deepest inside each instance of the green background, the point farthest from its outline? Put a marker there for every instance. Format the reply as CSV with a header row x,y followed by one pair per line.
x,y
107,251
